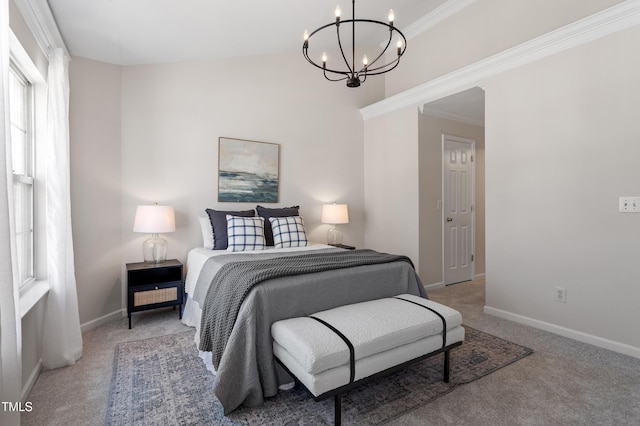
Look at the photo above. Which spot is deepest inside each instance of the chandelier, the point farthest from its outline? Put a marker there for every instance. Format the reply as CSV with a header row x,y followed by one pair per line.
x,y
348,71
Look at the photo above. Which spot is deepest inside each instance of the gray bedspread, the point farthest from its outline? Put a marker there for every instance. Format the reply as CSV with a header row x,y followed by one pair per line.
x,y
246,372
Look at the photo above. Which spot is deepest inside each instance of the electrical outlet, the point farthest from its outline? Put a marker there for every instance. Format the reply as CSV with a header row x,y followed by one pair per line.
x,y
561,294
629,205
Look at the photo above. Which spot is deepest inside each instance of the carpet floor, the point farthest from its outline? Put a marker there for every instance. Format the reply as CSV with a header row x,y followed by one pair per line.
x,y
161,381
564,382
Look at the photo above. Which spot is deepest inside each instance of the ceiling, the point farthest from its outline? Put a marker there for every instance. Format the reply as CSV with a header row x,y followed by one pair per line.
x,y
127,32
133,32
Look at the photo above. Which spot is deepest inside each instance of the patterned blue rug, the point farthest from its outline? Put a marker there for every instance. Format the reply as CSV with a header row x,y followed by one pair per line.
x,y
162,381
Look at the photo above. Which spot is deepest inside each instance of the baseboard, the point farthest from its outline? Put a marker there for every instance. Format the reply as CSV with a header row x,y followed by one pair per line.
x,y
566,332
26,389
89,325
479,276
434,286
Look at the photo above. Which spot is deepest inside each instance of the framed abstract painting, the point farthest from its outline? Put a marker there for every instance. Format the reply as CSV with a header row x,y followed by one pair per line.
x,y
248,171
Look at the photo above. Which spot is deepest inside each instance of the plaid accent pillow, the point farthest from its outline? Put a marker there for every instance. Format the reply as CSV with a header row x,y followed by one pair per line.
x,y
288,232
245,233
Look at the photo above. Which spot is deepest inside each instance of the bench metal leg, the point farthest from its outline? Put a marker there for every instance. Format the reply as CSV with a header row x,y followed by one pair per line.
x,y
447,366
338,410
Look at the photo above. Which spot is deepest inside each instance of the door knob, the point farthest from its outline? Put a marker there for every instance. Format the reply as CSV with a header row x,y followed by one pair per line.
x,y
449,219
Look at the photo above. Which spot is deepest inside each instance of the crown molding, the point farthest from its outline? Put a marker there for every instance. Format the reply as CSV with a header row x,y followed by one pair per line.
x,y
42,24
608,21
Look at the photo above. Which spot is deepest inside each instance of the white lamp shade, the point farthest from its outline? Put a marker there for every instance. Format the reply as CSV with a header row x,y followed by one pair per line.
x,y
154,219
335,213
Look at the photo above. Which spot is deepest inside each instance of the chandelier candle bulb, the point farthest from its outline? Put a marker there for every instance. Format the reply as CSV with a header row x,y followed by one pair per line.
x,y
338,13
324,59
392,17
365,61
306,35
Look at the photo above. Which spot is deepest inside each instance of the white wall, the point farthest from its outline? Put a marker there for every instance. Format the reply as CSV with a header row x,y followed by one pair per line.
x,y
94,125
562,146
391,183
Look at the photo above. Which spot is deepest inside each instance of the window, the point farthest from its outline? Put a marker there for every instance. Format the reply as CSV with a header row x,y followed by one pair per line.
x,y
22,159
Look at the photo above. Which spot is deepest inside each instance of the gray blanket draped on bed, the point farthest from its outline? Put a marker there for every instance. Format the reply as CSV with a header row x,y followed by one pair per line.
x,y
235,279
237,313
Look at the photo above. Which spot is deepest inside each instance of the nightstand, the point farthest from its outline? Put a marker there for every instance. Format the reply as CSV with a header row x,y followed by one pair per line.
x,y
154,285
343,246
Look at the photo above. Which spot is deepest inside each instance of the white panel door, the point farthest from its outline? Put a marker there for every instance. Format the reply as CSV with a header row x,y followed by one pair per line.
x,y
458,199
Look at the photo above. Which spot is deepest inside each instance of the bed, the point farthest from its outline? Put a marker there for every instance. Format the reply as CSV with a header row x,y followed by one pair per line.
x,y
244,367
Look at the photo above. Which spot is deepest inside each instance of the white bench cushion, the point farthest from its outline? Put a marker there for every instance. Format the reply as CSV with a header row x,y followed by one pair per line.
x,y
333,378
373,327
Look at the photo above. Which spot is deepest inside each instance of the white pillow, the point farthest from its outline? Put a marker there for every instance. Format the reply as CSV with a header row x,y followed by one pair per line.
x,y
207,232
245,233
288,232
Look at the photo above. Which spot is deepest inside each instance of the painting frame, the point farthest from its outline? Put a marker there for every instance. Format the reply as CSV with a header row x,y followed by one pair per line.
x,y
248,171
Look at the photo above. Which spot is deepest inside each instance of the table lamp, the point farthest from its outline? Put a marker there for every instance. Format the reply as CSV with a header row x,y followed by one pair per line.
x,y
334,214
154,220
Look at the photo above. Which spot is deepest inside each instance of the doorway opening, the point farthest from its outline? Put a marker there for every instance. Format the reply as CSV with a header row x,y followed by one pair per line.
x,y
452,250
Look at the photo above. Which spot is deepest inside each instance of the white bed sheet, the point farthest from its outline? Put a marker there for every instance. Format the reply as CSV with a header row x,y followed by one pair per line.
x,y
199,255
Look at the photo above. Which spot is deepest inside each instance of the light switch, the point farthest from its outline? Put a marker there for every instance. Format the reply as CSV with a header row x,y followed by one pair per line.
x,y
629,204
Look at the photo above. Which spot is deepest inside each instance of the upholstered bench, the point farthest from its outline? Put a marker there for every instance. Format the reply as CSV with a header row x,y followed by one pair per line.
x,y
332,351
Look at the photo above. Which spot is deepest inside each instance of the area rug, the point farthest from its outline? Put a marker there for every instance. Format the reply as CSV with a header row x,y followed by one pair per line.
x,y
162,381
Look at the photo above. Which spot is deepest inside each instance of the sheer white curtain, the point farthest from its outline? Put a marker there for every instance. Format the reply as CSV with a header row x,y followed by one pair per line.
x,y
62,338
10,338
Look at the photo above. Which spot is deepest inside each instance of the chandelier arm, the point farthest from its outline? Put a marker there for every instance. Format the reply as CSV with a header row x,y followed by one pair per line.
x,y
305,47
351,70
392,29
376,71
335,79
306,56
383,51
392,64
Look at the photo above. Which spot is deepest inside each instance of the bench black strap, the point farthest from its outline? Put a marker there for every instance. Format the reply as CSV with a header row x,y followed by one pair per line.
x,y
352,356
444,321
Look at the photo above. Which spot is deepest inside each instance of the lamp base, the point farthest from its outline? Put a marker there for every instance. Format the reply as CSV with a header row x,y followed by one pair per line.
x,y
334,236
154,250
